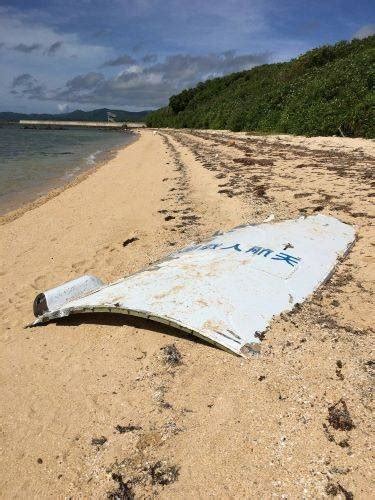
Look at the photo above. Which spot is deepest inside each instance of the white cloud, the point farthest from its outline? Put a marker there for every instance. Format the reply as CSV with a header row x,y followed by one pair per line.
x,y
151,85
63,108
123,60
365,31
33,42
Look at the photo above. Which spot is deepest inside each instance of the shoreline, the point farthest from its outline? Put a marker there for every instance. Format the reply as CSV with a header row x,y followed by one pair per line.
x,y
52,192
94,397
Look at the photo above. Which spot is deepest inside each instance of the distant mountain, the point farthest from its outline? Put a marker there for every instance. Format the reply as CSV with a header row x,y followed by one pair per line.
x,y
96,115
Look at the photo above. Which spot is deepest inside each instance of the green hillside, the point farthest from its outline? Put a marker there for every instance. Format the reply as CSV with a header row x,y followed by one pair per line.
x,y
315,94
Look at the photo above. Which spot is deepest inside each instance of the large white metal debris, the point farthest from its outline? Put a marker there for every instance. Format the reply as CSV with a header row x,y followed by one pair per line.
x,y
227,289
51,300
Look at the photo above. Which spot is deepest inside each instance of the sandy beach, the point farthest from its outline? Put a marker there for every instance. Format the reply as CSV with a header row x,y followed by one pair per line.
x,y
94,397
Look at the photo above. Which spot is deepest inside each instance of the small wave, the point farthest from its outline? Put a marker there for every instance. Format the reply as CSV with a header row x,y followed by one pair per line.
x,y
71,173
90,160
55,153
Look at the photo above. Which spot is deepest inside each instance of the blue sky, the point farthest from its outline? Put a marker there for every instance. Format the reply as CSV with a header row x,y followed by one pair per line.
x,y
58,55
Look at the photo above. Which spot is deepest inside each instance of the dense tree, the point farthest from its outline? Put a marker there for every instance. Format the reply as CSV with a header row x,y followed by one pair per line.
x,y
325,91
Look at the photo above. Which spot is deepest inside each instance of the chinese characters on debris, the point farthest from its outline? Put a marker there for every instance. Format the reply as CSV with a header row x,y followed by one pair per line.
x,y
291,260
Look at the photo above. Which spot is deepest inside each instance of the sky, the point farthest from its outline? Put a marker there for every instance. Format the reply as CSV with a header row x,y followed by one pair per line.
x,y
60,55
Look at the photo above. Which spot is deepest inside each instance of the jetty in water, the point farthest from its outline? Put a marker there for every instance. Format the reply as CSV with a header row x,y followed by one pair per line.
x,y
55,124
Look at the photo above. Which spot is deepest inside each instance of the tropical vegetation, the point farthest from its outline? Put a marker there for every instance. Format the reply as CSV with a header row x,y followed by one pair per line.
x,y
326,91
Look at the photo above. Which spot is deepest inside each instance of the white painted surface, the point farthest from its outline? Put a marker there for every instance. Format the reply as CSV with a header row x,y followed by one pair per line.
x,y
60,295
227,289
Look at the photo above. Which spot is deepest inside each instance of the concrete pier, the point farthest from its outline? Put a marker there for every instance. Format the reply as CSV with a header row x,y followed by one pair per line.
x,y
66,124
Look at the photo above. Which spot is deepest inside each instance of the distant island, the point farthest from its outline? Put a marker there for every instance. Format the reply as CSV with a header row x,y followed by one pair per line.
x,y
326,91
95,115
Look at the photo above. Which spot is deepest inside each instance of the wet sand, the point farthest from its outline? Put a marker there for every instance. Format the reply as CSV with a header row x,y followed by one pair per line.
x,y
97,397
13,205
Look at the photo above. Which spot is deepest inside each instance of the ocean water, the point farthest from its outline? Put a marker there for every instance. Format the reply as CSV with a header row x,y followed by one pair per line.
x,y
33,161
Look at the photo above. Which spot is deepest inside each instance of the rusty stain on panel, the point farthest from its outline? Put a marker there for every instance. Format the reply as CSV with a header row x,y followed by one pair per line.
x,y
226,289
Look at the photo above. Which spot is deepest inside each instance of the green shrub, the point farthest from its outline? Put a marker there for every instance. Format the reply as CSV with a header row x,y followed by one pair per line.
x,y
314,94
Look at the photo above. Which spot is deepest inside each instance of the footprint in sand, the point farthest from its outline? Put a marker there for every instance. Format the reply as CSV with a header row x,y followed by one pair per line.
x,y
105,255
40,283
78,265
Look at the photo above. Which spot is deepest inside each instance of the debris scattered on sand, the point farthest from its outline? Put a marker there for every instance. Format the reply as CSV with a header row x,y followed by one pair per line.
x,y
171,429
171,355
260,335
260,191
344,443
328,434
339,416
270,218
130,240
335,489
159,397
122,429
339,373
143,472
99,441
124,490
163,474
370,366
